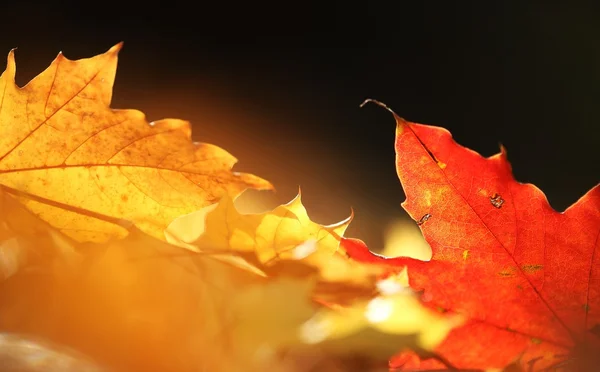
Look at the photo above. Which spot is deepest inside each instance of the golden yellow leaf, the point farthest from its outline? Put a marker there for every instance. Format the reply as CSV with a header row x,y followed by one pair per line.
x,y
380,326
85,168
139,304
278,234
283,240
404,239
268,316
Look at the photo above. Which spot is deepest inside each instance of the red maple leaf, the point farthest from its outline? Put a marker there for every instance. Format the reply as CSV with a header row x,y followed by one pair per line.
x,y
526,277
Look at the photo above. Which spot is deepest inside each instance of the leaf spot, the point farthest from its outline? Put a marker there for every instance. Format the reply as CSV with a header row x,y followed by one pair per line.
x,y
424,219
531,268
507,273
465,254
497,201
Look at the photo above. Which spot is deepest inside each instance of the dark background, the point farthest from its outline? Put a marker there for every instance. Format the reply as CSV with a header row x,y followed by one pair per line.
x,y
279,86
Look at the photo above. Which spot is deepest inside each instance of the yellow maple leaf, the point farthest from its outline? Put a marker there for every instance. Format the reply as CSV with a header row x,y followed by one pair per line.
x,y
139,304
280,233
283,240
85,168
404,239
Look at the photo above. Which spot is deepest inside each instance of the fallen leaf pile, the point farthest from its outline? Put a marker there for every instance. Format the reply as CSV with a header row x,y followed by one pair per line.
x,y
120,239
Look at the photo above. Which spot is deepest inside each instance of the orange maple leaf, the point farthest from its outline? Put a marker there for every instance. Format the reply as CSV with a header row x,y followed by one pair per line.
x,y
526,277
84,167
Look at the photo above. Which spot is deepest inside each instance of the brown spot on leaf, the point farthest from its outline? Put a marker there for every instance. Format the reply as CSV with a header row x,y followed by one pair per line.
x,y
531,268
497,201
424,219
507,272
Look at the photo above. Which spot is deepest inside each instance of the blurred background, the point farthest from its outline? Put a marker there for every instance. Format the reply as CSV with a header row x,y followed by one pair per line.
x,y
279,86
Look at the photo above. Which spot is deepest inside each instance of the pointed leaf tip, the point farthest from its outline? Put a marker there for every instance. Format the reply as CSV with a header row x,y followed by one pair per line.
x,y
116,48
297,200
11,67
503,151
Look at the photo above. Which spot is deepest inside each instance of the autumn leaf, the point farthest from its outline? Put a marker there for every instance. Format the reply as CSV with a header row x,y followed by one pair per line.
x,y
271,236
284,241
87,169
284,234
140,304
380,326
526,277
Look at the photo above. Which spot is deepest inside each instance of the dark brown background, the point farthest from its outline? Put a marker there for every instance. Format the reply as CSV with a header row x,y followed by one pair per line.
x,y
279,86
